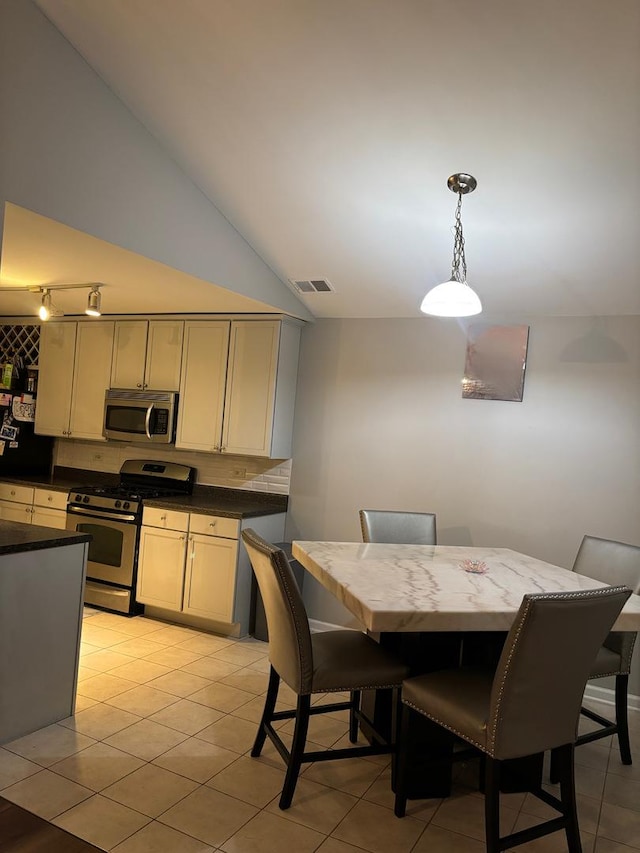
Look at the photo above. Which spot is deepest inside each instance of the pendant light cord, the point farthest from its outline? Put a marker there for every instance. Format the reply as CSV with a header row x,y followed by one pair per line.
x,y
459,259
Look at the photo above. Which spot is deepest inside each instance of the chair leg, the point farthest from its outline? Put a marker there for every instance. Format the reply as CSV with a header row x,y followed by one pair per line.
x,y
622,683
492,804
565,767
297,751
267,713
400,760
353,719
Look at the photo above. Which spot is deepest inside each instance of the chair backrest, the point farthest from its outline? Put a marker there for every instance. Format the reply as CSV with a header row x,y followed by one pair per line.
x,y
614,563
290,650
544,667
609,561
398,528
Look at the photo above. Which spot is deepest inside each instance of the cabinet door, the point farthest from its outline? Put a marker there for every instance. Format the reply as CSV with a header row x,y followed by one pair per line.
x,y
94,347
210,577
251,386
164,355
129,352
11,511
49,517
202,385
55,378
161,567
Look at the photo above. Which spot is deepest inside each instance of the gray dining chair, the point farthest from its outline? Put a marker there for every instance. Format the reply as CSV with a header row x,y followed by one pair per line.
x,y
325,662
614,563
398,528
529,704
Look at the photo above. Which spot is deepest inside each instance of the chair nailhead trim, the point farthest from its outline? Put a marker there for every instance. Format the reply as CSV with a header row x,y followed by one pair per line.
x,y
482,747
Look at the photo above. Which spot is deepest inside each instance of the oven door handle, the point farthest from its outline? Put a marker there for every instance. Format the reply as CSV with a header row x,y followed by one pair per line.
x,y
96,513
147,422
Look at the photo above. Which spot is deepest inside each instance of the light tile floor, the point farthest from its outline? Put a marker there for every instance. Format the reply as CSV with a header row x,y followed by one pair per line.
x,y
155,760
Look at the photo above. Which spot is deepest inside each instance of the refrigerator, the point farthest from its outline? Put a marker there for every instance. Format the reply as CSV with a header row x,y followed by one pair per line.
x,y
22,453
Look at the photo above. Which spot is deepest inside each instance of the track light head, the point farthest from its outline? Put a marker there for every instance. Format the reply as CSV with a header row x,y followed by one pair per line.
x,y
44,311
93,303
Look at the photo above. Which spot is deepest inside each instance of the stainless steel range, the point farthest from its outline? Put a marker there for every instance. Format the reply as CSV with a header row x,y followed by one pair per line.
x,y
113,517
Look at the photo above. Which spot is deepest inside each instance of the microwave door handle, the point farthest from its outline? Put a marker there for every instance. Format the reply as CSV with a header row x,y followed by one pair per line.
x,y
147,422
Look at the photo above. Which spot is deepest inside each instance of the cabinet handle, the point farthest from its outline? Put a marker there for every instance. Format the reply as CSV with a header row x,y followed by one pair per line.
x,y
212,523
50,498
138,384
13,491
163,518
223,448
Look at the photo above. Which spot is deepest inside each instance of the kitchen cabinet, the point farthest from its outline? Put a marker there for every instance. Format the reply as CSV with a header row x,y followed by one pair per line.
x,y
237,389
16,502
74,362
193,569
147,354
193,572
202,385
31,505
49,508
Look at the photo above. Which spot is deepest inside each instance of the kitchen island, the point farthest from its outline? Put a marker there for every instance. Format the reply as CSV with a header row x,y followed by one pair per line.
x,y
42,573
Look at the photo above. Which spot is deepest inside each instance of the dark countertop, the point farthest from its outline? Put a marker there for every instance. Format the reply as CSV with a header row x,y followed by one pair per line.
x,y
16,537
229,503
209,500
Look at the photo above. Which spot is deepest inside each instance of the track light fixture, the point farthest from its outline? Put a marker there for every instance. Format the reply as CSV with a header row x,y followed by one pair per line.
x,y
44,311
93,303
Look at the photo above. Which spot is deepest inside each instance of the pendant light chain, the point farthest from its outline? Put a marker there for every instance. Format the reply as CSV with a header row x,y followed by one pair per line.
x,y
459,259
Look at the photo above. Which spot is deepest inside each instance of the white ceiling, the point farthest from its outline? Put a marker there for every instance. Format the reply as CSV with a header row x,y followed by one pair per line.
x,y
325,130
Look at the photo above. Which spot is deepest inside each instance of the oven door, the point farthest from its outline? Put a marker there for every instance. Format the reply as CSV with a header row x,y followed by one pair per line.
x,y
112,550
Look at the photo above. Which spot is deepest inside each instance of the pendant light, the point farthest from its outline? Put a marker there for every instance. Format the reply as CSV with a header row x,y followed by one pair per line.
x,y
454,298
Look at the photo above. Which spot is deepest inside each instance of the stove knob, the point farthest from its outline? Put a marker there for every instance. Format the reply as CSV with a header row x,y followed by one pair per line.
x,y
118,504
85,499
126,505
78,498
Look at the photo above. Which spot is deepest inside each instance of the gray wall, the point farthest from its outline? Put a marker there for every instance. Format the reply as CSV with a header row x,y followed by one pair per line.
x,y
70,150
380,422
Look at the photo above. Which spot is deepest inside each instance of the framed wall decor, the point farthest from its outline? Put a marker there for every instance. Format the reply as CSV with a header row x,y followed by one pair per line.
x,y
495,362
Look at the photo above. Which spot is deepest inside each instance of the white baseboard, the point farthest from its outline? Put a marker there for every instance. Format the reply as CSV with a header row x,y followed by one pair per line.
x,y
607,697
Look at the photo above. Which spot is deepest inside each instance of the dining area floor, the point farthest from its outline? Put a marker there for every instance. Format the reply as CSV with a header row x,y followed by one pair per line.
x,y
156,760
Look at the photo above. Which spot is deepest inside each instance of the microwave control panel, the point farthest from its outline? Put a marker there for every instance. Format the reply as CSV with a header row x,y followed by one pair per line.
x,y
161,425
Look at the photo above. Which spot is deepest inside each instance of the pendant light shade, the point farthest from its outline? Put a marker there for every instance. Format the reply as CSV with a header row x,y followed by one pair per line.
x,y
454,298
451,299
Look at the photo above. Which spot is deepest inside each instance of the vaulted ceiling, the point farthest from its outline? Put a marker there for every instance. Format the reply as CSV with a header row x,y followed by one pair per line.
x,y
325,131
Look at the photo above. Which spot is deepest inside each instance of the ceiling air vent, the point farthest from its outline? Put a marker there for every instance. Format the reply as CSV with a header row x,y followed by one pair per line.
x,y
316,285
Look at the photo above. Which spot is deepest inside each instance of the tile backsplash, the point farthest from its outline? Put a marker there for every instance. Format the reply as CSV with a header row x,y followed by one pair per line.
x,y
213,469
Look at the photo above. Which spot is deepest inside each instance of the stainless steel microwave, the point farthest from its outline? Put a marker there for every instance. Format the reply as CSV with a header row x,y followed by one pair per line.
x,y
131,415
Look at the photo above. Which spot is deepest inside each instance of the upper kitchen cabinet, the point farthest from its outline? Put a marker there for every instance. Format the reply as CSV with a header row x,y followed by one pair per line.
x,y
202,386
147,354
74,372
237,390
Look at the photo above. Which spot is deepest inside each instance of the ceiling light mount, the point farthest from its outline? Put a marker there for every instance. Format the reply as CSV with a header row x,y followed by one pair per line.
x,y
454,298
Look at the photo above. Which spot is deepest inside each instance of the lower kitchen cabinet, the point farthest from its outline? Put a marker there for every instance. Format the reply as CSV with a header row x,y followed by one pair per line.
x,y
31,505
192,567
210,577
161,563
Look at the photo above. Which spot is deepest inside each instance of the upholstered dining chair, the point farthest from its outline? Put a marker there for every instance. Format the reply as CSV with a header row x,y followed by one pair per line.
x,y
613,563
325,662
398,528
529,704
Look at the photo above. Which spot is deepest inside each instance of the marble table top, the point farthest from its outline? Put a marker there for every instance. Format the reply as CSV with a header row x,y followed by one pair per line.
x,y
425,587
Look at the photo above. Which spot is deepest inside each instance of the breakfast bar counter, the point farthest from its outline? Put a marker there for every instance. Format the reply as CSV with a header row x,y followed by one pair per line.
x,y
42,573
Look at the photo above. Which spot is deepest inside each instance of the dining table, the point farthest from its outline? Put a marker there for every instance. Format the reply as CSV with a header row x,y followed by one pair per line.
x,y
439,606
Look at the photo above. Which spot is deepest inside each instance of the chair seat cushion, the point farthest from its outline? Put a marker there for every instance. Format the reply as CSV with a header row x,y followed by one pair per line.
x,y
607,662
350,660
457,699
